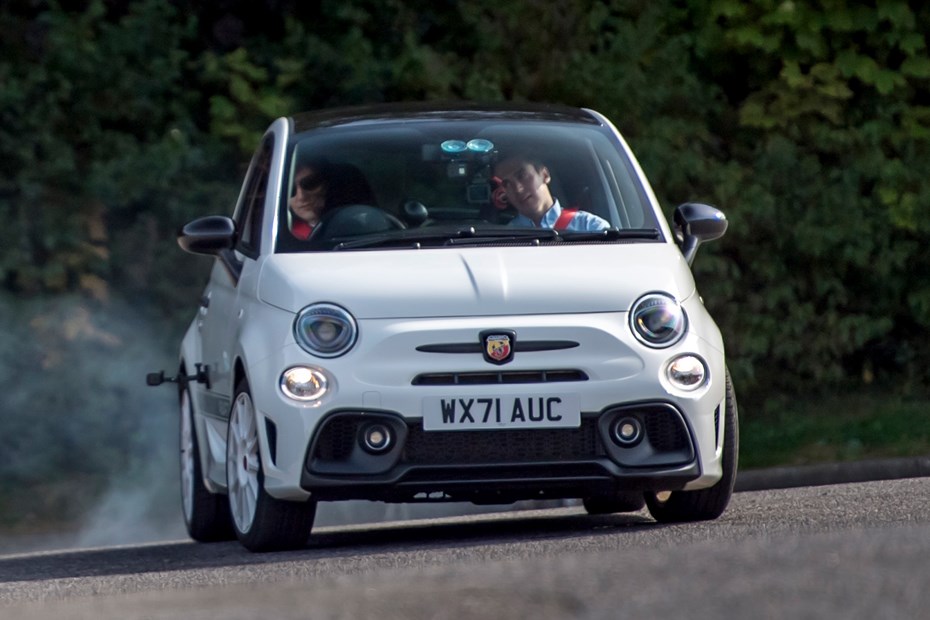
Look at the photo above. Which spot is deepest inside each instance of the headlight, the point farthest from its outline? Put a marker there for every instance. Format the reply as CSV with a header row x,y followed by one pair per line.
x,y
687,372
325,330
304,384
657,320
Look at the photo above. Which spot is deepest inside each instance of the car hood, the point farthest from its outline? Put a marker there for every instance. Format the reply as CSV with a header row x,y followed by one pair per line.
x,y
476,281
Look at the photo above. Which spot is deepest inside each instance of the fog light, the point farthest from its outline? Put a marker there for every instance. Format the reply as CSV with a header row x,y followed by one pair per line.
x,y
627,432
377,438
687,372
304,384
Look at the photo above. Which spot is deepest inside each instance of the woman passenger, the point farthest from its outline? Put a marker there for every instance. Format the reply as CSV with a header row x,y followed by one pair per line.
x,y
320,186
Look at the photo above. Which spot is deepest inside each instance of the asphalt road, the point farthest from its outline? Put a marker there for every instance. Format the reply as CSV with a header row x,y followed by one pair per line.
x,y
854,550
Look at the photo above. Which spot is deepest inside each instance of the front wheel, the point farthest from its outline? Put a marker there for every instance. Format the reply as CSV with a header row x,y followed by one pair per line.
x,y
704,504
206,515
261,522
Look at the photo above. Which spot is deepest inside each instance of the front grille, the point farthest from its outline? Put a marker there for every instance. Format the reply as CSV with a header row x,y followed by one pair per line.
x,y
337,451
665,431
501,446
337,438
505,376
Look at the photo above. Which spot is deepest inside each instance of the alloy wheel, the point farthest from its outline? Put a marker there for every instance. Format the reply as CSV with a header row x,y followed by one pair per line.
x,y
242,464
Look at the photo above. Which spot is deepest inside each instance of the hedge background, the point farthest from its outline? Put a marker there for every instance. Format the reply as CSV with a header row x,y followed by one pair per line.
x,y
808,123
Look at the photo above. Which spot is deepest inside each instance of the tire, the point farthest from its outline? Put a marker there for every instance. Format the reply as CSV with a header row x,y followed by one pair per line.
x,y
623,501
704,504
261,522
206,514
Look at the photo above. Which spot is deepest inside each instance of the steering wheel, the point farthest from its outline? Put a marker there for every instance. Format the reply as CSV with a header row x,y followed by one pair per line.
x,y
354,221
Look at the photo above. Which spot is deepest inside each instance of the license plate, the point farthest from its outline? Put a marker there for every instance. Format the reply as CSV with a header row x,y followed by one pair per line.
x,y
501,412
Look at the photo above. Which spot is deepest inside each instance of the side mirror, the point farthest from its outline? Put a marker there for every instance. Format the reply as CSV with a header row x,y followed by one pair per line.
x,y
208,235
697,223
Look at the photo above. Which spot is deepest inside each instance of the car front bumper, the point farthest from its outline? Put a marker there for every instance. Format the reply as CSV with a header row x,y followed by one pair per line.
x,y
300,444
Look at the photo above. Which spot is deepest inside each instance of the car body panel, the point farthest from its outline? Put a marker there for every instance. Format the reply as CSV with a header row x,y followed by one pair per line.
x,y
476,281
407,300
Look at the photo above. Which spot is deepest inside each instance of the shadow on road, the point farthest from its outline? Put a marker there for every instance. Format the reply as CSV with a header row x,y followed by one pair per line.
x,y
323,543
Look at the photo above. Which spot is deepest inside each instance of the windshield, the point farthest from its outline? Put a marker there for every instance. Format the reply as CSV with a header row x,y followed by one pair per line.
x,y
444,183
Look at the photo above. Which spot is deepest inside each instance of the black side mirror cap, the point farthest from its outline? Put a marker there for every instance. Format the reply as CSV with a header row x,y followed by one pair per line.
x,y
208,235
697,223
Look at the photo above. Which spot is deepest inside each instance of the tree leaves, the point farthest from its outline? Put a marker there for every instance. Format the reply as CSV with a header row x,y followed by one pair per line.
x,y
808,123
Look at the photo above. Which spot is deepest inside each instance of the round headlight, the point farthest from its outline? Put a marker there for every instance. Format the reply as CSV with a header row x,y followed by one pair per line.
x,y
687,372
304,384
325,330
657,320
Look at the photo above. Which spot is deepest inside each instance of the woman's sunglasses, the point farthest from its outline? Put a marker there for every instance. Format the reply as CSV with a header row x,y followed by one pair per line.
x,y
310,183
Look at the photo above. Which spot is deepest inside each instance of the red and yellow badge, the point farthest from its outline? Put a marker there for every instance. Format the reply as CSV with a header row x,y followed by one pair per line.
x,y
498,348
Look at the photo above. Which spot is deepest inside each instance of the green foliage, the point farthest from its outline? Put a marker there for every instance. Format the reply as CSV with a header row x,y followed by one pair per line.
x,y
246,97
825,214
865,423
102,118
809,123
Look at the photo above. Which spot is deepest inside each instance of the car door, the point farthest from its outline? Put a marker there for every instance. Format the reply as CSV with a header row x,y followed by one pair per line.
x,y
219,304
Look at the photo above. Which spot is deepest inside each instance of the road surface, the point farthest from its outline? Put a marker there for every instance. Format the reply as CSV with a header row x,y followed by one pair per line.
x,y
844,551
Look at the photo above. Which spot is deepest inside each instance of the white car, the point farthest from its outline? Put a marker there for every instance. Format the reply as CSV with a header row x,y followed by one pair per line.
x,y
484,304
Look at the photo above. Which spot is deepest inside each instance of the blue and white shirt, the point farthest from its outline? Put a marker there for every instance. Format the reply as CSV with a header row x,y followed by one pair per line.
x,y
582,221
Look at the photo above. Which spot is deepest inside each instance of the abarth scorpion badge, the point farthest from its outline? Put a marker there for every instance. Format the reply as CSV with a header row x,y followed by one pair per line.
x,y
498,346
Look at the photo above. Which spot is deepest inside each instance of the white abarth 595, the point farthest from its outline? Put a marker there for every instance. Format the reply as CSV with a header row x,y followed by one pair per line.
x,y
428,304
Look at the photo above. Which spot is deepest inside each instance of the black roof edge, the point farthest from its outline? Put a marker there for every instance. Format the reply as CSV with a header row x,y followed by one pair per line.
x,y
444,110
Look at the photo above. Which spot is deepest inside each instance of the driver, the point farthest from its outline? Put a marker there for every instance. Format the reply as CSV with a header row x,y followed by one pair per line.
x,y
526,183
320,186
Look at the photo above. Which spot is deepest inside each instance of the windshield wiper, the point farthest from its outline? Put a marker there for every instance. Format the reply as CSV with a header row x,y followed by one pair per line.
x,y
466,235
497,235
469,235
612,234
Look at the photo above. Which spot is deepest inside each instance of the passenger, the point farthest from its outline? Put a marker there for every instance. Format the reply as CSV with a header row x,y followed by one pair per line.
x,y
321,186
526,183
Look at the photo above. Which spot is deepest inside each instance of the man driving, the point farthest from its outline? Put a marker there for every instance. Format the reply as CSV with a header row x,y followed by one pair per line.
x,y
526,183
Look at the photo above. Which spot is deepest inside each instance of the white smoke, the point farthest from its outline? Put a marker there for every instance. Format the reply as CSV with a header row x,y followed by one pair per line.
x,y
99,432
92,449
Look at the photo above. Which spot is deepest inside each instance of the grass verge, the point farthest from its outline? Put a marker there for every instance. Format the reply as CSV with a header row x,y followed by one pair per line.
x,y
834,428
